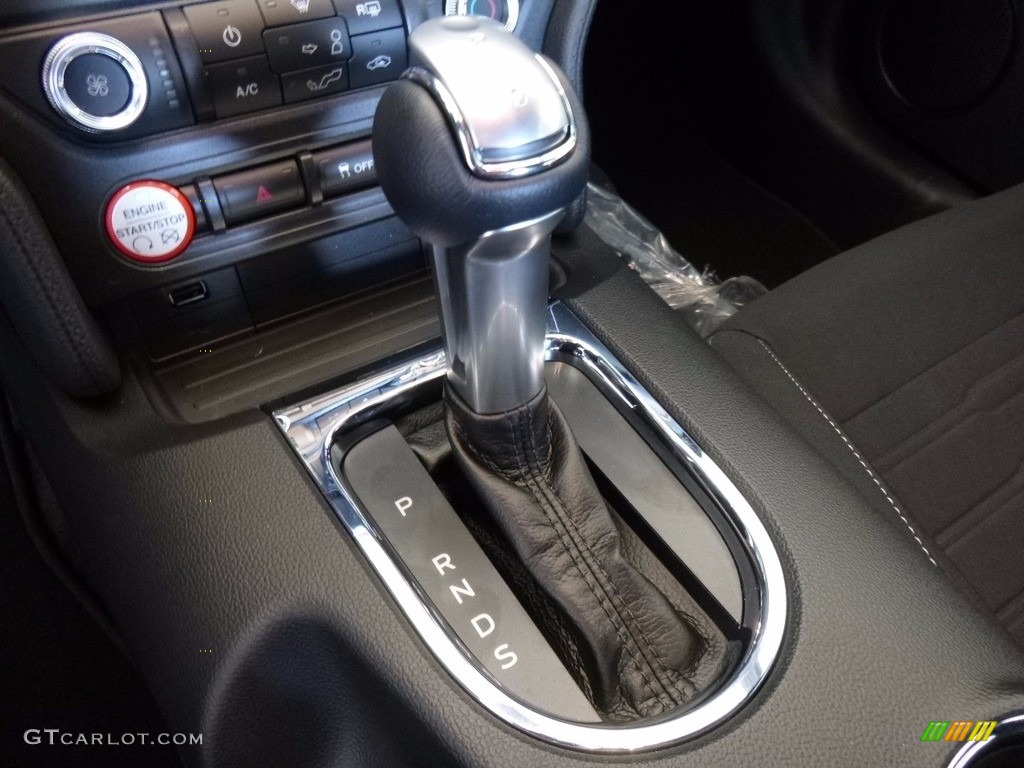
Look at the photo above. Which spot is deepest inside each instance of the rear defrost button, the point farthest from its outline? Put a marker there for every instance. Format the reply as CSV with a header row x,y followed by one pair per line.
x,y
370,15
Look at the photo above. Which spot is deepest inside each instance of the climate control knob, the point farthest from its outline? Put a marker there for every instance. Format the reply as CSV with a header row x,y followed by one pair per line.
x,y
95,82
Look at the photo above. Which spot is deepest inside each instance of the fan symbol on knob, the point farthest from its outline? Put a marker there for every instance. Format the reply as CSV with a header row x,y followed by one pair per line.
x,y
97,85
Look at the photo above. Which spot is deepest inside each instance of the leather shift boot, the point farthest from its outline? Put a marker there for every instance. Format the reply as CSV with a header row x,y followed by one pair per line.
x,y
528,470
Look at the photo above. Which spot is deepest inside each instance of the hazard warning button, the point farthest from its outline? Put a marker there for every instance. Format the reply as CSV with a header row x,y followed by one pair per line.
x,y
258,192
150,222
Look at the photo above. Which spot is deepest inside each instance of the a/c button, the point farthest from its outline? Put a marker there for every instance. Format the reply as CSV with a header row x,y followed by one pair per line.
x,y
242,86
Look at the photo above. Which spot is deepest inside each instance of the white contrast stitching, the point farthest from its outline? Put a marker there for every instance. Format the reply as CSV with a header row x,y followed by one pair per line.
x,y
867,468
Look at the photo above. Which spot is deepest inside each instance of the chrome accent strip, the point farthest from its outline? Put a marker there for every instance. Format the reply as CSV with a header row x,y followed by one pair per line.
x,y
461,8
71,47
1010,728
312,426
510,169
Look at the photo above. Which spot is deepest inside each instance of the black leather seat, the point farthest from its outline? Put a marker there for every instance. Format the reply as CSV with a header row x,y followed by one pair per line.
x,y
902,361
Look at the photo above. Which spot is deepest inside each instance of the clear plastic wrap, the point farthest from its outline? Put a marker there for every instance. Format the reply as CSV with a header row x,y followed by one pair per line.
x,y
700,297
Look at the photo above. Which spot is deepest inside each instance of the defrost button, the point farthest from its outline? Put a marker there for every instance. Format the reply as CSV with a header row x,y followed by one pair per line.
x,y
278,13
150,222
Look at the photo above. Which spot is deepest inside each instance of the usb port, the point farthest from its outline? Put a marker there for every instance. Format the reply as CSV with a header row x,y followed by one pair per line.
x,y
188,294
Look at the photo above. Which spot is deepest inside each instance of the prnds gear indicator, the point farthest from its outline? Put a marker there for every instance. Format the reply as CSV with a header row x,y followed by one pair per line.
x,y
150,222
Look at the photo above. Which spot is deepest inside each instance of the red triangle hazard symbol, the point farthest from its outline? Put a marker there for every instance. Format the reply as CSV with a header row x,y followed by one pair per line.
x,y
263,195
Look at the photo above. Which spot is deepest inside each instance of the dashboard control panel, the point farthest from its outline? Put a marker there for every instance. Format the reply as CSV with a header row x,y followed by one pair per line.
x,y
151,222
205,166
149,73
115,78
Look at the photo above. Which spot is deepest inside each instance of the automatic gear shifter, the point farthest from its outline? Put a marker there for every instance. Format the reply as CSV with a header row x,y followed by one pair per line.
x,y
480,148
479,152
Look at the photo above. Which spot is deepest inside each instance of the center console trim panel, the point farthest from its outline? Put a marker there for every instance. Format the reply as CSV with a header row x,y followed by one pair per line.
x,y
311,428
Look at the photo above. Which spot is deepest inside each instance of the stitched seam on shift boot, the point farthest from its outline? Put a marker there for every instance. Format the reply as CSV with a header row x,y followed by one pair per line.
x,y
607,584
524,481
669,677
472,450
669,673
574,555
54,308
856,454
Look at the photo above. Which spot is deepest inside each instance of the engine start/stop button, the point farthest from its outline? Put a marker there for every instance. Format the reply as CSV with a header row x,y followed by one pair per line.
x,y
150,222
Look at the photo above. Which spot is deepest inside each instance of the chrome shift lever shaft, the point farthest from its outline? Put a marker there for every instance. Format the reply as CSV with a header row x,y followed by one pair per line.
x,y
493,294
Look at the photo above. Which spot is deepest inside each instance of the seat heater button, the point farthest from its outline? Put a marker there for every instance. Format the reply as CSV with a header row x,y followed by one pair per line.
x,y
150,222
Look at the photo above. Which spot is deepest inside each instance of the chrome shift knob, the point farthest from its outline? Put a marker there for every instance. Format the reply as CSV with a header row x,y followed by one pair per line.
x,y
505,105
480,148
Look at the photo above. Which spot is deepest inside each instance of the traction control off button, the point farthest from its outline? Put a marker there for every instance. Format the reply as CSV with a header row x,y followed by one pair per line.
x,y
150,222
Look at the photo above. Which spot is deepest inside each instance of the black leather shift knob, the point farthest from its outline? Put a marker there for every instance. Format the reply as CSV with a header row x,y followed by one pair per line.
x,y
424,173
